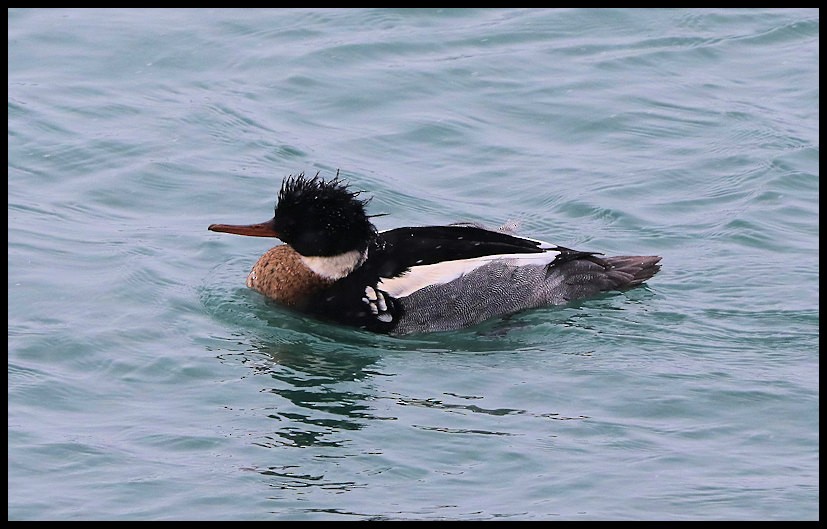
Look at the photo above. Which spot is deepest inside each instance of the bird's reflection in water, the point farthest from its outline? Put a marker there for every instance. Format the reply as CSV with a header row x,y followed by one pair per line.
x,y
323,387
322,384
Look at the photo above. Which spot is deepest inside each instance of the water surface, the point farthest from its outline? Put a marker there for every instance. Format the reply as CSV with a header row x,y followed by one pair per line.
x,y
146,381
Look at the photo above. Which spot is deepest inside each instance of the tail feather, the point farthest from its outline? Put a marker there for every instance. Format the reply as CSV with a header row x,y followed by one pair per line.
x,y
589,275
629,271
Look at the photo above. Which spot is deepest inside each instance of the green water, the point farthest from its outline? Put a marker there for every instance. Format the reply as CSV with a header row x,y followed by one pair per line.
x,y
147,382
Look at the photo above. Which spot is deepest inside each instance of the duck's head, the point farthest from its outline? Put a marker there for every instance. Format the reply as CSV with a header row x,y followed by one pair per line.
x,y
317,218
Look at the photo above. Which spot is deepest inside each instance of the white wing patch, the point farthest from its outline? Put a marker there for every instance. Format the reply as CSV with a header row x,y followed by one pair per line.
x,y
419,277
377,303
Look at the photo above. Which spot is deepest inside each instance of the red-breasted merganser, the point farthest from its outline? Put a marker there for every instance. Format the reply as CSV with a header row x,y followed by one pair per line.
x,y
336,266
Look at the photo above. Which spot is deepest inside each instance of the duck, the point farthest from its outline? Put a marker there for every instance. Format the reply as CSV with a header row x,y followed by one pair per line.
x,y
336,266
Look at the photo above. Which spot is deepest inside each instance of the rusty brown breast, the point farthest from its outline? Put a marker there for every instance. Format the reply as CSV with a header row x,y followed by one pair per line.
x,y
281,275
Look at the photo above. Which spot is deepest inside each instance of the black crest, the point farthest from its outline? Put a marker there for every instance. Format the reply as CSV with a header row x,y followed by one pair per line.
x,y
322,218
